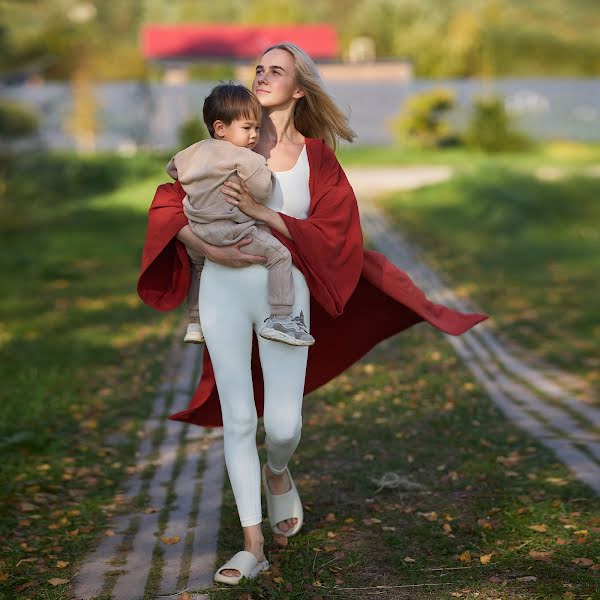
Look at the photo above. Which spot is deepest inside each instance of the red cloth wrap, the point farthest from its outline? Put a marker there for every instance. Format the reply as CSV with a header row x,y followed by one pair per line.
x,y
358,298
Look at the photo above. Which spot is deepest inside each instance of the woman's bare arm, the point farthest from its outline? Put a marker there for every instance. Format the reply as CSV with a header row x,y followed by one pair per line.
x,y
229,256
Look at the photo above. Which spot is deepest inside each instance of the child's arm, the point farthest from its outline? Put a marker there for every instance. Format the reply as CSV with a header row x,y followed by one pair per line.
x,y
258,178
172,169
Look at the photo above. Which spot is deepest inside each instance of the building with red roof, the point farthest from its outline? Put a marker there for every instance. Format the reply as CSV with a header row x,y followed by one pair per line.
x,y
236,43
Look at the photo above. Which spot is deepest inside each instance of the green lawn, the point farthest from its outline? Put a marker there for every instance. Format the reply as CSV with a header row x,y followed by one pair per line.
x,y
562,154
80,356
526,250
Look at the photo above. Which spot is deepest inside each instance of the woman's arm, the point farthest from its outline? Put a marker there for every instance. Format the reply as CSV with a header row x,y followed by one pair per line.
x,y
229,256
241,197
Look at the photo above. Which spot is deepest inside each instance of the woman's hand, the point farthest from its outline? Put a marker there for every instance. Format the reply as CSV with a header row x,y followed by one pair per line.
x,y
228,256
241,196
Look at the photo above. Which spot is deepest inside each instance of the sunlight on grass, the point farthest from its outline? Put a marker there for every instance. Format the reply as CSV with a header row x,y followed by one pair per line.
x,y
522,249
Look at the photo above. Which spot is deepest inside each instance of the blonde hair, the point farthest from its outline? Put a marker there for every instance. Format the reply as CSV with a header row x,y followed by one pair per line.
x,y
316,114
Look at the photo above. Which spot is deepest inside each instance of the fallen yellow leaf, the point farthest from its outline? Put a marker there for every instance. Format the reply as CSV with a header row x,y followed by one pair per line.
x,y
429,516
465,556
56,581
539,528
278,579
170,540
484,559
61,564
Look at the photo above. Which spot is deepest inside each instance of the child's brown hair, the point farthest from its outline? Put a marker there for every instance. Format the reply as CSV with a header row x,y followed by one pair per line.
x,y
229,102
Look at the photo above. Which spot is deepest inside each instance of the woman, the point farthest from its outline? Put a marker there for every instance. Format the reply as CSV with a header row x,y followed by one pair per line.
x,y
351,298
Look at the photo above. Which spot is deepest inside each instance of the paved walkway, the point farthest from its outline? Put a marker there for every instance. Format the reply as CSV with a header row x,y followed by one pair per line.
x,y
166,546
184,465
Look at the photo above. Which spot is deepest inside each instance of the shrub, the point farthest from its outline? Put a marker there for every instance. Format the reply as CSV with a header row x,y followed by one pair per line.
x,y
191,131
490,128
16,121
423,121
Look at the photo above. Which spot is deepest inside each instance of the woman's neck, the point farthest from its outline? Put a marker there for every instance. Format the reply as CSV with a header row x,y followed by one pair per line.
x,y
278,126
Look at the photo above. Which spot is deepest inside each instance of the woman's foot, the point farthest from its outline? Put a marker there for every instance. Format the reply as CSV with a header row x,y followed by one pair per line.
x,y
254,546
280,484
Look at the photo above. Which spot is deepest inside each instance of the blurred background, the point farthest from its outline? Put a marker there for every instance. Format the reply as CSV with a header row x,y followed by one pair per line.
x,y
110,75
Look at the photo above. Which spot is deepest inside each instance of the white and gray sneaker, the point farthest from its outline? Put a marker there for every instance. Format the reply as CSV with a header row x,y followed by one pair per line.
x,y
194,334
289,330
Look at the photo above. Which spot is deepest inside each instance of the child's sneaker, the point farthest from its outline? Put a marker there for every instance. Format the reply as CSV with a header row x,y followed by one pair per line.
x,y
289,330
194,334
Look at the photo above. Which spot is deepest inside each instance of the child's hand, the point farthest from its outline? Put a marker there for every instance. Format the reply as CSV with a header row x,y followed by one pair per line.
x,y
240,196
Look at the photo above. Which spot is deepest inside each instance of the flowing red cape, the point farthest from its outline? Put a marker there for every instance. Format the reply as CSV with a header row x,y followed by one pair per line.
x,y
358,298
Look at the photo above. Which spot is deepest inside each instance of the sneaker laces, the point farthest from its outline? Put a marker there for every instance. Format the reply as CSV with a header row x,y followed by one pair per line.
x,y
300,319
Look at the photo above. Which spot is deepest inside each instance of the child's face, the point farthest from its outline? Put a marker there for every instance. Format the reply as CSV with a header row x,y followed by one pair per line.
x,y
244,132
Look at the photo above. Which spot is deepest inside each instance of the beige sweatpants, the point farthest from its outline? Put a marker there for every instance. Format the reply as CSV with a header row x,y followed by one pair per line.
x,y
279,262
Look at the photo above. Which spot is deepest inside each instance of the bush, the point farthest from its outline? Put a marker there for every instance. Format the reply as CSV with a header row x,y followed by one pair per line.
x,y
191,131
423,120
16,121
490,128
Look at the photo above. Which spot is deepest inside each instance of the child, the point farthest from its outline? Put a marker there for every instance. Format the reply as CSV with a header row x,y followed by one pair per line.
x,y
232,115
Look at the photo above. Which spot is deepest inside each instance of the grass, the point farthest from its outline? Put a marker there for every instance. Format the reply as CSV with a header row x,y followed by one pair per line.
x,y
80,357
524,249
489,500
563,154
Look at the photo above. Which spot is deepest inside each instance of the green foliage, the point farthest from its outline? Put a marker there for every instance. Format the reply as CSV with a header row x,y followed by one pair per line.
x,y
450,38
16,121
191,131
423,120
60,180
212,71
490,128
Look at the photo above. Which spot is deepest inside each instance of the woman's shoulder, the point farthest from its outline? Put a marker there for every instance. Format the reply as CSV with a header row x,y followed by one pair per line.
x,y
321,152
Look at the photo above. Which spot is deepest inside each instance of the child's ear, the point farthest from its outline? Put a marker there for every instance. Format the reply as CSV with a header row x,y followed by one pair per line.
x,y
219,128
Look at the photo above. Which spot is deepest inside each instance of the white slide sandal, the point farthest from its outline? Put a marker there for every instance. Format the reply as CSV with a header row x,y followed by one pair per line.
x,y
283,506
246,563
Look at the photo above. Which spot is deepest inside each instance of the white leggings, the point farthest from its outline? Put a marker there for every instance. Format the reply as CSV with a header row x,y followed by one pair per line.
x,y
232,303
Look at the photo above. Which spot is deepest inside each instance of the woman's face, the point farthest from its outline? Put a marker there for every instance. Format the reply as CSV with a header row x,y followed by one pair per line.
x,y
275,80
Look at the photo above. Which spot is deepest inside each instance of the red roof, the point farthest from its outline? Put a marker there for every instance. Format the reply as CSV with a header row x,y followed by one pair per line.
x,y
234,41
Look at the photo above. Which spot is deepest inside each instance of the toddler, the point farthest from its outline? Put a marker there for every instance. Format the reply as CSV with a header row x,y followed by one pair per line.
x,y
232,114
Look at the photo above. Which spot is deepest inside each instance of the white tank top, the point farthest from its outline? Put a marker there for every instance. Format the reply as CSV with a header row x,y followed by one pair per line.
x,y
291,195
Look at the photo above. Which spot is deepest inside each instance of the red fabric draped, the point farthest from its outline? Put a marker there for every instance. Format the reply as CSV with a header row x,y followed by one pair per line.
x,y
358,298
